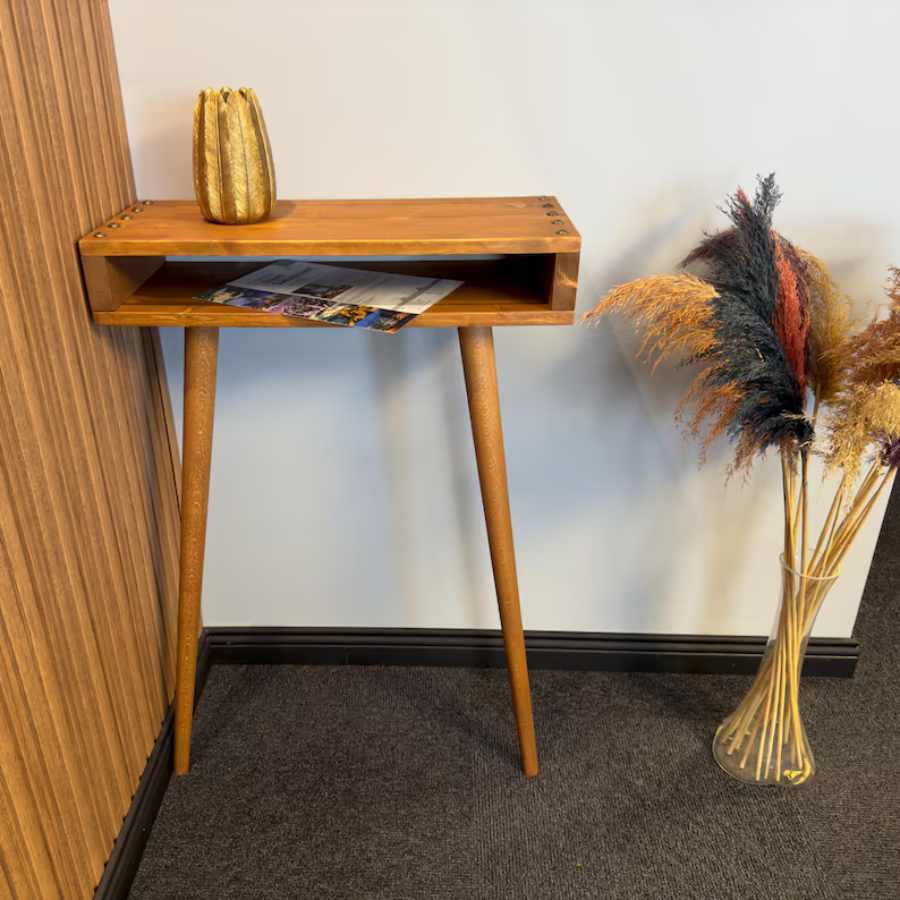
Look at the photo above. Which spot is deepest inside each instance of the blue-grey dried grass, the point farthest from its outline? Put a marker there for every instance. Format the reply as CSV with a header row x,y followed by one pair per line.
x,y
751,362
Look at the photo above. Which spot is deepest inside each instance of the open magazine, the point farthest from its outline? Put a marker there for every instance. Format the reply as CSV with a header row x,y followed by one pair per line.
x,y
357,298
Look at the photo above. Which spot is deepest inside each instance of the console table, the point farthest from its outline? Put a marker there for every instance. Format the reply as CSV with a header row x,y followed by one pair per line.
x,y
517,256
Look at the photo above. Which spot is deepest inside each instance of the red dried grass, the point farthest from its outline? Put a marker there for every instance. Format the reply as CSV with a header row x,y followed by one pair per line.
x,y
791,321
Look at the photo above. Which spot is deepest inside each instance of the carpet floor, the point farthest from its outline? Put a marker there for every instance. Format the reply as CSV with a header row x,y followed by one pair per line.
x,y
403,784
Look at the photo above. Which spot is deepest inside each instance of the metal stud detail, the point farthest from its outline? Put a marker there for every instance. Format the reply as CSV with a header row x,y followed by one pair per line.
x,y
147,202
557,222
548,206
543,198
553,212
126,218
562,231
137,209
100,234
114,225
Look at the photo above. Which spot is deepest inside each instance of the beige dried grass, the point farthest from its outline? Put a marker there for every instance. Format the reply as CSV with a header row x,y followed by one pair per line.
x,y
861,414
829,328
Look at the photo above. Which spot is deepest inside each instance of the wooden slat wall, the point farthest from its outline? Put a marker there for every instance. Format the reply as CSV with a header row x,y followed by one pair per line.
x,y
88,502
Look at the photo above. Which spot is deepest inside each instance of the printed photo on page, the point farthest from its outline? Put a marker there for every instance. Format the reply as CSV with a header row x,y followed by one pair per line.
x,y
355,298
361,287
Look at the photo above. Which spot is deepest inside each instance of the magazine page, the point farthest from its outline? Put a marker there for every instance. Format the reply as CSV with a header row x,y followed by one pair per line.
x,y
356,298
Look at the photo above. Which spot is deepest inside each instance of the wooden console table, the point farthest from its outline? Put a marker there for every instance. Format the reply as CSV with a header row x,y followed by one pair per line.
x,y
517,256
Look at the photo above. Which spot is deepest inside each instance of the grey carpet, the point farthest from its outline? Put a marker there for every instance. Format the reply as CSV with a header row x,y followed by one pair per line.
x,y
403,784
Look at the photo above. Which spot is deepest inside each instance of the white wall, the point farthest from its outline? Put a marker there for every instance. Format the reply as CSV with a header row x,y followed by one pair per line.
x,y
343,487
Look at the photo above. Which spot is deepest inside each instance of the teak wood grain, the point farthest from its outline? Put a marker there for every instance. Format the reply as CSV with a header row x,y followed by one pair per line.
x,y
112,279
562,284
88,506
480,370
343,228
533,235
201,347
528,278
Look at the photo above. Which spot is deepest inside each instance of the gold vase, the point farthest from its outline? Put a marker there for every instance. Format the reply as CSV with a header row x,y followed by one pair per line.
x,y
234,177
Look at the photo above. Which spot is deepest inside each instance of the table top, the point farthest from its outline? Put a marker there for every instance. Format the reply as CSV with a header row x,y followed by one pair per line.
x,y
505,225
517,256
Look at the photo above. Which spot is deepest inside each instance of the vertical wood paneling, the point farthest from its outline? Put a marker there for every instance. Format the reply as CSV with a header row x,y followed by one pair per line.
x,y
89,520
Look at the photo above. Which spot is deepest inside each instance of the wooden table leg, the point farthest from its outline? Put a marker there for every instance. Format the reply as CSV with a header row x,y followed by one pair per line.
x,y
201,346
477,346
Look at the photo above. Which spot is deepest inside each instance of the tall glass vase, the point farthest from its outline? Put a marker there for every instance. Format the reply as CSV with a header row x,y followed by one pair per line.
x,y
763,741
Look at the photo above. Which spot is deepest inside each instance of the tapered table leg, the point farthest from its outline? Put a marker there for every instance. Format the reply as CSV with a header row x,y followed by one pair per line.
x,y
201,347
477,346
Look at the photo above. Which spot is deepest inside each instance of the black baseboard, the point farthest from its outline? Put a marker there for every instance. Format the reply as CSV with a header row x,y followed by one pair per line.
x,y
546,650
122,865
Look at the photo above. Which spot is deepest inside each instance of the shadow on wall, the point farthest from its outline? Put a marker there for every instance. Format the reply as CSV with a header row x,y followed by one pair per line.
x,y
394,366
585,445
577,418
612,520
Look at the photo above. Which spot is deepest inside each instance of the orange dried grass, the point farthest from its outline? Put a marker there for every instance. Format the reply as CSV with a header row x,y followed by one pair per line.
x,y
675,310
712,407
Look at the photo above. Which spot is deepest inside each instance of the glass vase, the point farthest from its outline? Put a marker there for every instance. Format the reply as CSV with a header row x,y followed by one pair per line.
x,y
763,741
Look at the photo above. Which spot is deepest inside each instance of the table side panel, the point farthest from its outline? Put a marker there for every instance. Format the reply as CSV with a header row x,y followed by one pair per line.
x,y
562,280
111,280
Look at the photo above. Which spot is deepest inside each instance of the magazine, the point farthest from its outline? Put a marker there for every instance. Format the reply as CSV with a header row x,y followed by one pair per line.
x,y
379,301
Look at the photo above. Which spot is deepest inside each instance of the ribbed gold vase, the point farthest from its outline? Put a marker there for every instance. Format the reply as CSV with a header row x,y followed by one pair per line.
x,y
234,177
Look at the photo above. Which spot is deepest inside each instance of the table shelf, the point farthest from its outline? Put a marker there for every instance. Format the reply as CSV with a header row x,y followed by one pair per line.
x,y
495,292
134,276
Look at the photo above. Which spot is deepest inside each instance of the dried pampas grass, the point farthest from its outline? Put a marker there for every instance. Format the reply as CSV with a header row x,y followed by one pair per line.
x,y
889,452
768,323
675,310
873,355
753,390
792,313
861,415
746,321
829,328
865,406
